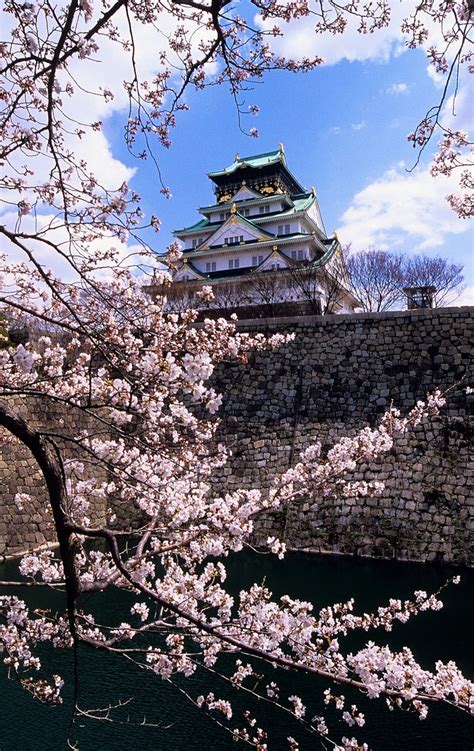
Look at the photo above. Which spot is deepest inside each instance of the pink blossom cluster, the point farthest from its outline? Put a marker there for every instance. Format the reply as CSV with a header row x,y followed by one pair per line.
x,y
141,377
138,475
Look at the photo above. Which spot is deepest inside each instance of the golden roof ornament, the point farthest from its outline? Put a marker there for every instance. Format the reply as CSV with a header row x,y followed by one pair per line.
x,y
233,208
281,148
237,156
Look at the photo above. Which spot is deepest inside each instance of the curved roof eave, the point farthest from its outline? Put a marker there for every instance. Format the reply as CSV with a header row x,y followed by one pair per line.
x,y
255,160
201,224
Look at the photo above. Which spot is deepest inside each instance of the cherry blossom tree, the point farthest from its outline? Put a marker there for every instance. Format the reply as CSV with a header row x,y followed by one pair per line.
x,y
147,457
136,476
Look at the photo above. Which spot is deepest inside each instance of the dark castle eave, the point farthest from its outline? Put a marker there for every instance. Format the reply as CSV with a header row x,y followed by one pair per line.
x,y
231,180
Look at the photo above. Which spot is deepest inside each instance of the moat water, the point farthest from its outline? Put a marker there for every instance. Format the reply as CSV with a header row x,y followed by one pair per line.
x,y
26,725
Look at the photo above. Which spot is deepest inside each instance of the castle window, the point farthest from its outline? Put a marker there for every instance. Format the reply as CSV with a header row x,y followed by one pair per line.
x,y
300,255
234,240
267,209
234,263
211,266
287,229
294,255
280,229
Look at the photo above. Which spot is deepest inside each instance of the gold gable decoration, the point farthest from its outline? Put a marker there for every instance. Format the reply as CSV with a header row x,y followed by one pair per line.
x,y
226,197
268,189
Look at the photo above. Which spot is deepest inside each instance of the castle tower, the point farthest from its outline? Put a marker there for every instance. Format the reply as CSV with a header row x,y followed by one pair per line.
x,y
262,227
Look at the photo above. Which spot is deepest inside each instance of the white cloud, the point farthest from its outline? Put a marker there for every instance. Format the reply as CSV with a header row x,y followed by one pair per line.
x,y
359,126
300,39
438,79
52,234
403,211
466,297
398,88
457,112
108,69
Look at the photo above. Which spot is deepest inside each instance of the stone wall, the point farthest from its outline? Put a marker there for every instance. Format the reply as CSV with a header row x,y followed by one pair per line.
x,y
339,374
31,527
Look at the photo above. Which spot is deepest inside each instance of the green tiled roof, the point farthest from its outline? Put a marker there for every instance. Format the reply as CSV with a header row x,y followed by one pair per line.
x,y
258,160
332,243
215,225
303,202
201,224
247,202
276,239
195,269
248,221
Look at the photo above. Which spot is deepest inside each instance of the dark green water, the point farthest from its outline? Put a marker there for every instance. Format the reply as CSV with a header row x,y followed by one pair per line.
x,y
28,726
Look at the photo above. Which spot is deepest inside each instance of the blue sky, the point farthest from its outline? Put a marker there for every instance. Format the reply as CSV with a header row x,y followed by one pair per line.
x,y
344,129
343,126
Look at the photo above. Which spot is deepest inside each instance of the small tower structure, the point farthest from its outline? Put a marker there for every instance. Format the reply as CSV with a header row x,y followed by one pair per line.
x,y
262,226
420,297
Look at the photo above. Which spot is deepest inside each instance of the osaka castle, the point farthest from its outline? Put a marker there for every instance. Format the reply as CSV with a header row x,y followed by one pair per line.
x,y
261,245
